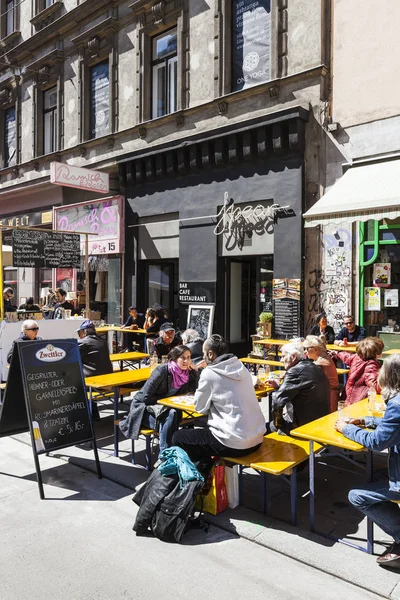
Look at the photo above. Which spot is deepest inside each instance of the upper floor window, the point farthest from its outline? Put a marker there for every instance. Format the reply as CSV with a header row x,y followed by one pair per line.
x,y
10,18
50,121
99,99
164,73
10,137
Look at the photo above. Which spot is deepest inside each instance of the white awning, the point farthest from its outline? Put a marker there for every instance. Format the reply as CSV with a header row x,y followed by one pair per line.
x,y
364,192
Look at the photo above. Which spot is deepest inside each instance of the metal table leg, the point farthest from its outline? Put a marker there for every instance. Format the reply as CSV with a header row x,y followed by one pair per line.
x,y
293,496
312,486
116,428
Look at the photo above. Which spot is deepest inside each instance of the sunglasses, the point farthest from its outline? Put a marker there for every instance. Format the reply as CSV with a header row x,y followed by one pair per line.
x,y
32,329
348,322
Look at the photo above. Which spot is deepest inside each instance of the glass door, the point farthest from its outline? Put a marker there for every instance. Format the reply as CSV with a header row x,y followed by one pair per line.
x,y
162,287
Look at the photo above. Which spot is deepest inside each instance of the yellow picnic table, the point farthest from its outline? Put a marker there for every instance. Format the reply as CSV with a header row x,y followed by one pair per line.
x,y
128,357
116,380
392,351
341,348
261,361
323,432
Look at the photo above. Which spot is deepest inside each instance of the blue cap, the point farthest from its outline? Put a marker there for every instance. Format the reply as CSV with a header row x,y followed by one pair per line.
x,y
85,325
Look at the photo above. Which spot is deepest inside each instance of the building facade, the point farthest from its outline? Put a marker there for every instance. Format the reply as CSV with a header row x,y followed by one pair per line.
x,y
207,116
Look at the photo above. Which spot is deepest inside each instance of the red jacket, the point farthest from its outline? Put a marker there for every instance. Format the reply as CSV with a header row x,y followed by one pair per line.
x,y
363,374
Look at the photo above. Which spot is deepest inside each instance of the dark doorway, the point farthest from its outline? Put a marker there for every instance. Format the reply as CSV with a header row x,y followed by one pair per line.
x,y
162,286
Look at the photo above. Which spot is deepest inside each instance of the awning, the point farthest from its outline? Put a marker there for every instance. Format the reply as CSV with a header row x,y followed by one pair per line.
x,y
367,191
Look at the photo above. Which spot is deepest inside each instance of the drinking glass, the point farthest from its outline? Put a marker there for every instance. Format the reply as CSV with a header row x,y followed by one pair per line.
x,y
340,406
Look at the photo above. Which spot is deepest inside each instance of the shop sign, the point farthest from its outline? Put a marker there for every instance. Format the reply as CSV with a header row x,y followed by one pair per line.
x,y
78,177
28,220
103,218
196,292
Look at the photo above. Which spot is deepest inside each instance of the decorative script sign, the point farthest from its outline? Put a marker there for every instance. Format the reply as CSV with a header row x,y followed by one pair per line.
x,y
77,177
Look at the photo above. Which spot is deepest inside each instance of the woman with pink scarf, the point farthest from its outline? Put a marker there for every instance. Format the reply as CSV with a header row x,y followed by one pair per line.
x,y
177,376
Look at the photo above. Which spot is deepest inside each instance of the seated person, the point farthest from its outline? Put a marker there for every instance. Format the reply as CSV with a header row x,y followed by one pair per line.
x,y
351,333
322,328
374,500
150,317
364,369
29,332
315,349
235,423
170,379
192,340
62,303
94,355
303,396
29,306
8,295
134,321
159,319
167,340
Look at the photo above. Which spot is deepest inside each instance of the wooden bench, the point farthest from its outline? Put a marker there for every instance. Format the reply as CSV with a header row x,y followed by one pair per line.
x,y
279,455
261,361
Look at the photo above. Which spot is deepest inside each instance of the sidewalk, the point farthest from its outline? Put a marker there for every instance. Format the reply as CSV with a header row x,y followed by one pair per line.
x,y
333,514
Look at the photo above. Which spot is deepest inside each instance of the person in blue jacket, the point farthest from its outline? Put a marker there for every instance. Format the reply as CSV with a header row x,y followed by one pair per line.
x,y
376,499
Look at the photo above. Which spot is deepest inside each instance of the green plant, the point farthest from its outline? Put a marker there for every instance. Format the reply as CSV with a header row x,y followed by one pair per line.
x,y
258,349
266,317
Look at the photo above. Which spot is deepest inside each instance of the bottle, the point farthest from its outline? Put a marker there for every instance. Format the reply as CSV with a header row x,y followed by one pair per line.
x,y
371,399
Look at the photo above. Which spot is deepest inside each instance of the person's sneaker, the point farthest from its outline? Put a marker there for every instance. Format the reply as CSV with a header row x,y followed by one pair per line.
x,y
390,557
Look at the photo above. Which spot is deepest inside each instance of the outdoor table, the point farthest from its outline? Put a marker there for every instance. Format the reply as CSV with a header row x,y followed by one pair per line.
x,y
115,329
392,351
341,348
129,358
185,402
323,432
116,380
273,342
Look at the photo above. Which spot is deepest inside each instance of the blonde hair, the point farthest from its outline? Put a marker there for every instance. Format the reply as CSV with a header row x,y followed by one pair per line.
x,y
313,341
389,377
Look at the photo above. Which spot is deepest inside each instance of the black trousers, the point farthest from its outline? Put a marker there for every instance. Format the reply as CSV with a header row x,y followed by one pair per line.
x,y
200,443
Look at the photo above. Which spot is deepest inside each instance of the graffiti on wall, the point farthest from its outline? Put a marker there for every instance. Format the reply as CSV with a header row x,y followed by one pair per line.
x,y
330,286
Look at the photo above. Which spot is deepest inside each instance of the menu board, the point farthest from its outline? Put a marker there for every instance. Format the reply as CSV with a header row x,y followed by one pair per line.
x,y
32,248
251,43
286,318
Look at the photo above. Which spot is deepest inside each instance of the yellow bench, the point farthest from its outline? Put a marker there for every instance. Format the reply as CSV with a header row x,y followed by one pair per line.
x,y
279,455
261,361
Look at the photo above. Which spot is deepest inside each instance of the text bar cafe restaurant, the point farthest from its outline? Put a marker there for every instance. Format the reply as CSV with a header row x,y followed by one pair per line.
x,y
359,218
215,221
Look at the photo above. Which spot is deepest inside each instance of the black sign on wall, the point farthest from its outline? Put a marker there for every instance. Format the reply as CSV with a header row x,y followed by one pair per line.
x,y
32,248
251,43
46,395
196,293
286,318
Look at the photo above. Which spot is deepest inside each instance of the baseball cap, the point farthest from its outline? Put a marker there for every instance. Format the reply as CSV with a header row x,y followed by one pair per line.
x,y
85,325
167,327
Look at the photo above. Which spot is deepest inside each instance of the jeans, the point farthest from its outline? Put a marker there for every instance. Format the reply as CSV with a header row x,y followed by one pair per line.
x,y
200,443
167,427
374,502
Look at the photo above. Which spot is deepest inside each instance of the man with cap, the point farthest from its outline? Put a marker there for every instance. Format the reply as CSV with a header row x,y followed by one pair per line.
x,y
94,354
165,342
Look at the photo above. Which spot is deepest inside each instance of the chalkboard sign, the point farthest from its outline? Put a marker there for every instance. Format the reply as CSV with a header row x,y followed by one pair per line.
x,y
32,248
287,318
45,394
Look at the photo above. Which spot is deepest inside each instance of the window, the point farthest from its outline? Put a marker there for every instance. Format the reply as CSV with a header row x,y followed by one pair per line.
x,y
10,137
50,120
99,100
10,17
48,3
165,73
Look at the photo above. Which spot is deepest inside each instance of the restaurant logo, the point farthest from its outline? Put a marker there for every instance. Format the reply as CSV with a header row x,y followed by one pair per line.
x,y
50,354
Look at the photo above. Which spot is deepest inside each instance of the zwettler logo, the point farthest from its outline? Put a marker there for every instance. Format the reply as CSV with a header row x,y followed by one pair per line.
x,y
50,354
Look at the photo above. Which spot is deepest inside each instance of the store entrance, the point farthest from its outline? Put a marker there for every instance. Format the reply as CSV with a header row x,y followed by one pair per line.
x,y
162,287
248,292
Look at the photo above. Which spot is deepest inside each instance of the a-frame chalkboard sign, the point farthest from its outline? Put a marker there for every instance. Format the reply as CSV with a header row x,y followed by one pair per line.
x,y
45,394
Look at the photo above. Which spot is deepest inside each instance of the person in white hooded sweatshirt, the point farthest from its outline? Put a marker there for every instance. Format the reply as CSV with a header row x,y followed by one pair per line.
x,y
235,423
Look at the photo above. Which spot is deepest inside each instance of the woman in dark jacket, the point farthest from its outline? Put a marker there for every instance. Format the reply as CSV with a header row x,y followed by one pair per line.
x,y
322,328
173,378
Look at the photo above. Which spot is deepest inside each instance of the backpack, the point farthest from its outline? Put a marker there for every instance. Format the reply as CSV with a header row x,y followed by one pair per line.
x,y
165,506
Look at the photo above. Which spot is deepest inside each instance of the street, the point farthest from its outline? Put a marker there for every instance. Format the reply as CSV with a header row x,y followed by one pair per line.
x,y
78,544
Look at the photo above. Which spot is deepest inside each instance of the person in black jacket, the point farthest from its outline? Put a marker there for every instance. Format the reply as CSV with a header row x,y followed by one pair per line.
x,y
177,376
167,340
29,330
322,328
303,395
194,342
134,321
29,306
94,355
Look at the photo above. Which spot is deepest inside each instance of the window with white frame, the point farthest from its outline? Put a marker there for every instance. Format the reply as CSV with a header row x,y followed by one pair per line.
x,y
164,73
50,116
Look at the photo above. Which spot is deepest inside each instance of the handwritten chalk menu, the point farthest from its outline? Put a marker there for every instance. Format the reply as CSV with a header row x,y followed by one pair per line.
x,y
251,43
45,249
45,394
287,318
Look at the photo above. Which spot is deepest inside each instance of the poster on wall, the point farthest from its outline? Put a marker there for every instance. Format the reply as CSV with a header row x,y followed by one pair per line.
x,y
10,137
372,298
251,43
391,298
65,279
201,318
382,275
100,100
286,288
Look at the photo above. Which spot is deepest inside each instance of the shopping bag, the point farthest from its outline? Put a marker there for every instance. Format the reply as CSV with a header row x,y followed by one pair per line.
x,y
216,500
232,485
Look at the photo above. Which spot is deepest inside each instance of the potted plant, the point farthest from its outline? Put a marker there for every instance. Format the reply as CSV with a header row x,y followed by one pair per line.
x,y
266,323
